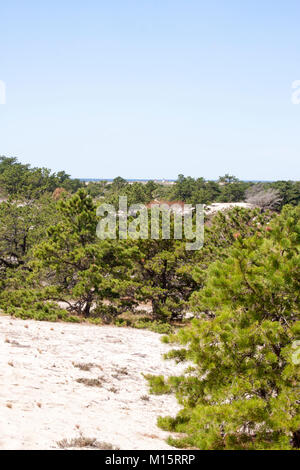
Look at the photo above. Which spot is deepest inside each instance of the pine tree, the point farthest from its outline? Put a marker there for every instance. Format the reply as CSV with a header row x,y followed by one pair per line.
x,y
242,388
81,269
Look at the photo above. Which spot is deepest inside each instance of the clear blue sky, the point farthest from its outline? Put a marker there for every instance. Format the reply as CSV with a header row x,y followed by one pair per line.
x,y
152,88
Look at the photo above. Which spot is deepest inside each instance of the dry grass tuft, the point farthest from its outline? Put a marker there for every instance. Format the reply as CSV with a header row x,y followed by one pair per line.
x,y
87,442
145,397
91,382
86,365
15,343
120,372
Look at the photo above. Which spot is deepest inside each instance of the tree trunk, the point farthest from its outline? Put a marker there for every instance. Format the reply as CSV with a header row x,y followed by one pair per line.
x,y
296,439
87,308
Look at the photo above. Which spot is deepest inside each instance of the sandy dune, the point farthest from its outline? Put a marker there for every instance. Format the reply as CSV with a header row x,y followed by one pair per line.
x,y
223,206
42,403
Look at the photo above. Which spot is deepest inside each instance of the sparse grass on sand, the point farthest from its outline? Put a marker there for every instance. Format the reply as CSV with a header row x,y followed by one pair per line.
x,y
91,382
86,365
145,398
87,442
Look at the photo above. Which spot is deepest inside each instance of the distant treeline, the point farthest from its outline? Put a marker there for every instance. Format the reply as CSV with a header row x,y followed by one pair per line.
x,y
22,180
25,181
197,190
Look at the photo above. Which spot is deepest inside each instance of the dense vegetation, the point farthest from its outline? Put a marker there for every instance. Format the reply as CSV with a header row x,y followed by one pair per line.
x,y
272,195
241,389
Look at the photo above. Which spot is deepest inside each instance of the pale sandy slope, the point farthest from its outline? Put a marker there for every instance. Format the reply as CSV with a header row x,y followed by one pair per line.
x,y
41,402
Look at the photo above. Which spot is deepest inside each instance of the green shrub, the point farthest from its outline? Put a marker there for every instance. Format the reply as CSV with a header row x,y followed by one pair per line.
x,y
155,326
242,389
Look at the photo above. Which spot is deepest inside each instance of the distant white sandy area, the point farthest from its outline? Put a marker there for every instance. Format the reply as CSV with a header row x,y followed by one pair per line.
x,y
223,206
42,403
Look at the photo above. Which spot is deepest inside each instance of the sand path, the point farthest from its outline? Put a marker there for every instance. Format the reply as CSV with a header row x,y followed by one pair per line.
x,y
42,403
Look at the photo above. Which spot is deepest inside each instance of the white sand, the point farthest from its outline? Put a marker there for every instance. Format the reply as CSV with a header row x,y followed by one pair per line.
x,y
41,402
223,206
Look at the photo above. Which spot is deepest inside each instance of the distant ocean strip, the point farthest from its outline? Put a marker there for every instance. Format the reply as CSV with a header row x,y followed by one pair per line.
x,y
158,180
